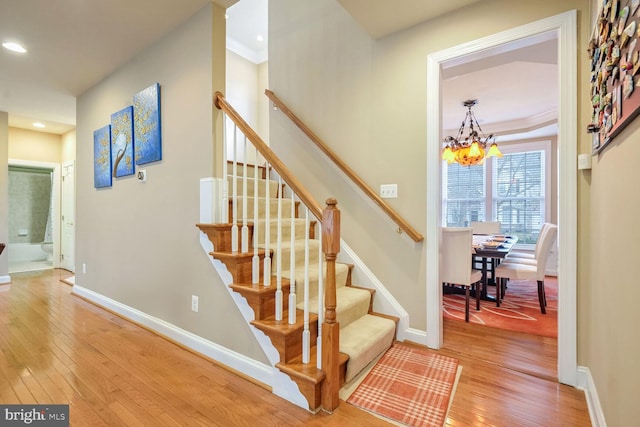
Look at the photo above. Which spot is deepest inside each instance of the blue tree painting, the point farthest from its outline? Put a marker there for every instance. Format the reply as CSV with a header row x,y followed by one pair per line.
x,y
102,157
147,126
122,142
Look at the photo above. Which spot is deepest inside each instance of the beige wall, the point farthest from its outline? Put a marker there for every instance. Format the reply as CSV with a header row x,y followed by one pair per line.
x,y
367,99
138,240
35,146
242,87
245,86
68,152
610,315
263,102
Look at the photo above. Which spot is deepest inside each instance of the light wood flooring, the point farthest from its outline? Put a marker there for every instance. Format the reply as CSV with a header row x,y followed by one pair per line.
x,y
57,348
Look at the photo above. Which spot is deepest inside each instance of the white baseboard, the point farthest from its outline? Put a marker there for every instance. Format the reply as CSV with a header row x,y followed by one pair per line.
x,y
5,279
586,383
416,336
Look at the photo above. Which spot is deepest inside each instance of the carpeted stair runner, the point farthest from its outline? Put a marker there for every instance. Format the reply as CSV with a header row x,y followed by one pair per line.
x,y
363,336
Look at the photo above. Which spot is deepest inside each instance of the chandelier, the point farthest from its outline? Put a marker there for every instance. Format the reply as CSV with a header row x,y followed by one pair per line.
x,y
472,150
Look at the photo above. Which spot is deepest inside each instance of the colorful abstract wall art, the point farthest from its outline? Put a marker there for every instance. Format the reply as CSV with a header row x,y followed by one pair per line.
x,y
122,142
147,126
102,157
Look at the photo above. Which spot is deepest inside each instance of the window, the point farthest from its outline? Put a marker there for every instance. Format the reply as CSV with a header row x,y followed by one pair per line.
x,y
512,189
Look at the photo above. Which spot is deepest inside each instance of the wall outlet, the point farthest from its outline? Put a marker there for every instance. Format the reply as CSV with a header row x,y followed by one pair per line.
x,y
389,191
194,303
142,175
84,268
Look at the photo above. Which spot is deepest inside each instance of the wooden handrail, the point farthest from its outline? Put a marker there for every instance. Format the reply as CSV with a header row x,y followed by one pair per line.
x,y
221,103
396,217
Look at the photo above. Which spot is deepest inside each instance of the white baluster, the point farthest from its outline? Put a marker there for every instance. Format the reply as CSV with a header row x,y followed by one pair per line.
x,y
279,252
255,261
320,300
267,232
224,206
245,227
234,227
306,334
292,264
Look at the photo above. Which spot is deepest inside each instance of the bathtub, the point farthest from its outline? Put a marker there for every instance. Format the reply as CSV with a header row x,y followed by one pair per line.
x,y
25,252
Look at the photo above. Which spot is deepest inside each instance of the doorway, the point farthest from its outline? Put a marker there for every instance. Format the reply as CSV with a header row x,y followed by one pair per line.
x,y
34,210
564,25
68,217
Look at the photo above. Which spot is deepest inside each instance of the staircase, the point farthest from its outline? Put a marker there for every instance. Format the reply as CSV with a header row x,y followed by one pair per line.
x,y
291,244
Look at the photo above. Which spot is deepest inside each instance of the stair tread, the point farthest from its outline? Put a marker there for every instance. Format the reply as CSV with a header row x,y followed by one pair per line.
x,y
260,287
283,326
364,340
351,338
309,370
227,254
348,299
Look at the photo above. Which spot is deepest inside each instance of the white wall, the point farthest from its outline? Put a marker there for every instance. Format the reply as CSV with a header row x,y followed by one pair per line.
x,y
139,241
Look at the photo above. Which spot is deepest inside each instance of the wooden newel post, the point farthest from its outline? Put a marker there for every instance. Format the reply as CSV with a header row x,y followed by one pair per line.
x,y
330,328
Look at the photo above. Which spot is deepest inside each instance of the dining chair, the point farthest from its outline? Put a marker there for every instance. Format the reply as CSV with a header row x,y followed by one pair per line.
x,y
518,256
485,227
523,271
455,263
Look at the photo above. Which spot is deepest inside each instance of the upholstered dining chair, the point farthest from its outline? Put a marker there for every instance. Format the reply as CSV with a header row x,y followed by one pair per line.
x,y
485,227
522,271
519,256
455,263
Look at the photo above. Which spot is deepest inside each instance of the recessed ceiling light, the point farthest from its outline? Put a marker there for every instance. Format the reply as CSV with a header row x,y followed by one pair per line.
x,y
38,125
259,38
14,47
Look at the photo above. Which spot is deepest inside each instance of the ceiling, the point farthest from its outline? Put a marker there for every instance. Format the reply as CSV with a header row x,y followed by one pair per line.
x,y
383,17
74,44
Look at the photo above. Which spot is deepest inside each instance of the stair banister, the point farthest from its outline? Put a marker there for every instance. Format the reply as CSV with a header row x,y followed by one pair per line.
x,y
275,162
255,262
330,244
403,225
292,262
331,328
224,211
234,194
245,226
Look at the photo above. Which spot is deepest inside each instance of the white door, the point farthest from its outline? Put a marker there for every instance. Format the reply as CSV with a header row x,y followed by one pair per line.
x,y
68,217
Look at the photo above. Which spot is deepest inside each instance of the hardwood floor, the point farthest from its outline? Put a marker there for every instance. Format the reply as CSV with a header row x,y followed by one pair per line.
x,y
57,348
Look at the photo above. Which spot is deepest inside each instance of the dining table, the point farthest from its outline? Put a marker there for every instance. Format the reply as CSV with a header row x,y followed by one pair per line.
x,y
489,250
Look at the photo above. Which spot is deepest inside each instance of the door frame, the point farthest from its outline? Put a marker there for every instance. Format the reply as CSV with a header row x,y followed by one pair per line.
x,y
565,24
55,188
64,165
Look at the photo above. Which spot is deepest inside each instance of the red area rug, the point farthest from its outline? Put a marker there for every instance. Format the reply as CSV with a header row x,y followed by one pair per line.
x,y
519,311
408,385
